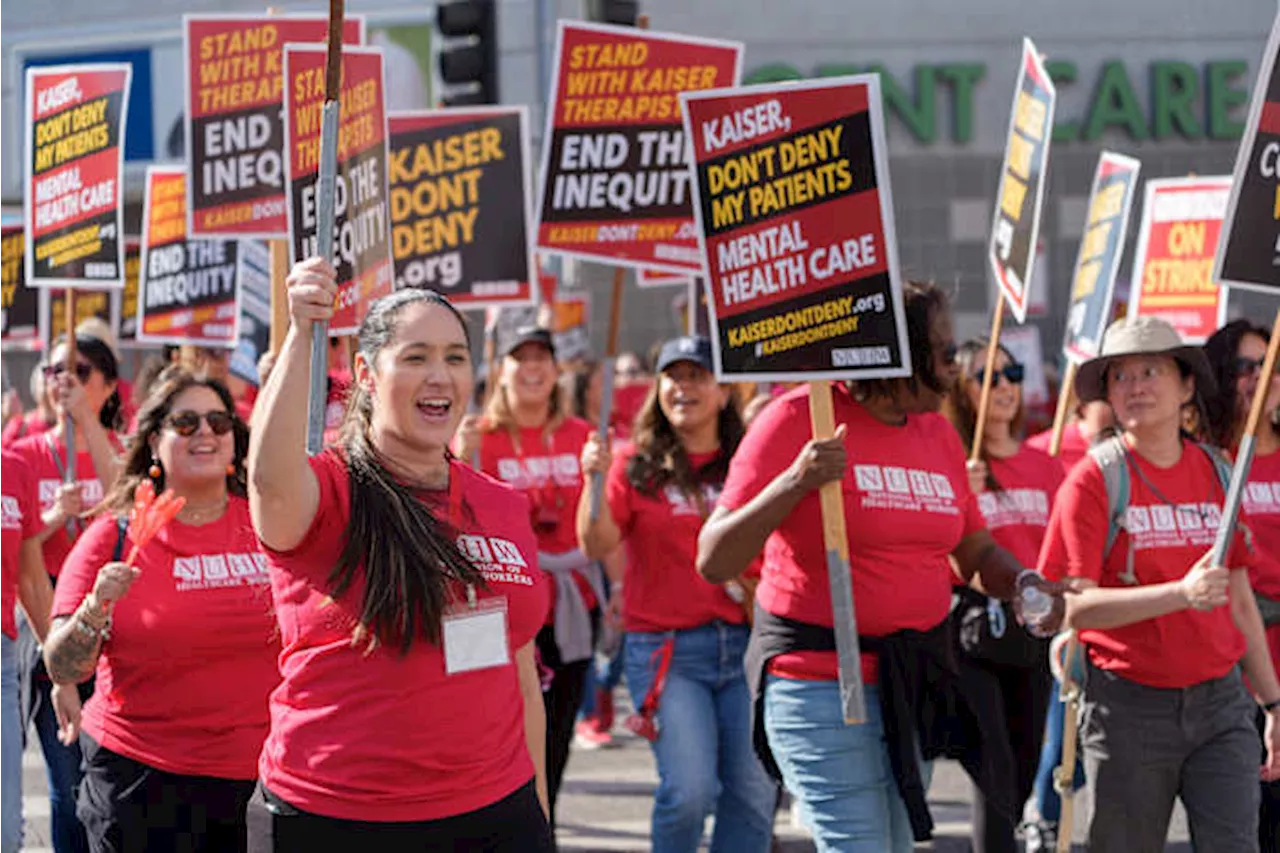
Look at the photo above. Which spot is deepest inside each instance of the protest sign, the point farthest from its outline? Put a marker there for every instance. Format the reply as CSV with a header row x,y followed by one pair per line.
x,y
73,195
1016,222
187,293
1173,264
102,304
460,204
127,337
796,219
19,315
657,278
615,187
362,241
571,324
1093,283
1249,251
254,285
235,131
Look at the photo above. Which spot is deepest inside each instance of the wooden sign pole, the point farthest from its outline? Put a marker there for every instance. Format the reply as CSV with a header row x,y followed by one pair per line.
x,y
1066,402
606,381
326,180
279,293
988,379
835,537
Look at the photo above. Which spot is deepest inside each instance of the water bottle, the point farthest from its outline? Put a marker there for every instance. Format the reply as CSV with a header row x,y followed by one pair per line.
x,y
1035,606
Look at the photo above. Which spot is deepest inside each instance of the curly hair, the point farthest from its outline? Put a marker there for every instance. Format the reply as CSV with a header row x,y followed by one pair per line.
x,y
1223,421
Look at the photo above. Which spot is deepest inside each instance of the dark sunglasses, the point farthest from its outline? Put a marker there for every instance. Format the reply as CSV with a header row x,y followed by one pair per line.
x,y
187,424
1248,366
949,353
83,370
1014,372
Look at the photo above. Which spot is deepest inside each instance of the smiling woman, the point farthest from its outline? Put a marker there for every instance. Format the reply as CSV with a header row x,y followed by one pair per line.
x,y
406,591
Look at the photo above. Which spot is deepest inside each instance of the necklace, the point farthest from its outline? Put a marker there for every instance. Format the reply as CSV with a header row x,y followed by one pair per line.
x,y
202,514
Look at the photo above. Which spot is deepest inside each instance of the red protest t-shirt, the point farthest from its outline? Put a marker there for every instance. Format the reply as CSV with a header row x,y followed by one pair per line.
x,y
628,400
182,683
390,737
32,423
664,591
1074,447
45,468
1262,512
1018,513
21,520
1172,651
546,469
907,505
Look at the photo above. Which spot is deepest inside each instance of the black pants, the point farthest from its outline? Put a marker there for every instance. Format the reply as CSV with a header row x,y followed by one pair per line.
x,y
562,701
1269,809
514,824
1012,701
130,807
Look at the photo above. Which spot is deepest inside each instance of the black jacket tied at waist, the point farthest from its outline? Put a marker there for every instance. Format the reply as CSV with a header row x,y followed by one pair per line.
x,y
921,700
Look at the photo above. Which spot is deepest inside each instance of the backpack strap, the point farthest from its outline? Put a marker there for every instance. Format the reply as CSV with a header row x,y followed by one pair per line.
x,y
1110,458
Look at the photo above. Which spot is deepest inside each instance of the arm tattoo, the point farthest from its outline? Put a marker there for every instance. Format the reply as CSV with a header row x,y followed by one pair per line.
x,y
71,655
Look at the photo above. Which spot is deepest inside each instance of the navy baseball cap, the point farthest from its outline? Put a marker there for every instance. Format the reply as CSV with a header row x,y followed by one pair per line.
x,y
695,349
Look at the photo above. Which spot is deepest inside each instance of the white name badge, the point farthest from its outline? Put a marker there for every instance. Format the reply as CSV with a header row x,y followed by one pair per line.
x,y
475,637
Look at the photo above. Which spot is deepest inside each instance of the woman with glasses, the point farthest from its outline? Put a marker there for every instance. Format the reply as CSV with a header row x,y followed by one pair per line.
x,y
1235,354
182,638
1005,666
909,513
86,398
1166,634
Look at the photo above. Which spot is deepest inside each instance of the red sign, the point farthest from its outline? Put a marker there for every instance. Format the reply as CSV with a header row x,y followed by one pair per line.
x,y
361,232
73,199
188,292
1173,264
235,132
795,207
615,185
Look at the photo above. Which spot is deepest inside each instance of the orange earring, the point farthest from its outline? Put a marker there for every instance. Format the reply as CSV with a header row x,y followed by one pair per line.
x,y
231,469
154,471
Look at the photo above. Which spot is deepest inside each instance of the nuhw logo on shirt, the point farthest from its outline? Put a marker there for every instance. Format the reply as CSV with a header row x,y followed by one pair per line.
x,y
499,560
11,519
682,504
536,471
911,489
1164,526
1262,498
90,492
1008,507
218,571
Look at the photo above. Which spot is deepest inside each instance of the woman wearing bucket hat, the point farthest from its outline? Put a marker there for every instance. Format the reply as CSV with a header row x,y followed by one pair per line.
x,y
1166,713
685,637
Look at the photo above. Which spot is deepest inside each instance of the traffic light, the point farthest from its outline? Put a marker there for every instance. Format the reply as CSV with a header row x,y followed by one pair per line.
x,y
471,67
620,12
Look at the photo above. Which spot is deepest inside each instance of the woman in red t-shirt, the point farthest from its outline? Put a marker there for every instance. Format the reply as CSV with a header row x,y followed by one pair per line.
x,y
685,637
1166,713
1235,354
909,512
405,584
22,578
183,642
1003,663
89,396
527,441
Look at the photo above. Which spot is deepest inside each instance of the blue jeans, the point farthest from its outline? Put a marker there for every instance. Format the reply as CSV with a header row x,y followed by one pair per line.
x,y
703,751
11,747
602,678
839,773
62,765
1048,804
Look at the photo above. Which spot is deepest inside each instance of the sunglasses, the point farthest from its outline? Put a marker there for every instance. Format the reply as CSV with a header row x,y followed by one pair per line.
x,y
83,370
1013,372
1248,366
187,424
